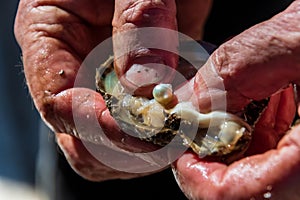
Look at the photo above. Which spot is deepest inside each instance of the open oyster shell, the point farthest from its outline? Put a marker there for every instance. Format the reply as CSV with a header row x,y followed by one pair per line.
x,y
218,133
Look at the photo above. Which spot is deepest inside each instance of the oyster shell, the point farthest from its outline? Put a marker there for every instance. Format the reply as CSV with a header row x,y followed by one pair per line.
x,y
218,133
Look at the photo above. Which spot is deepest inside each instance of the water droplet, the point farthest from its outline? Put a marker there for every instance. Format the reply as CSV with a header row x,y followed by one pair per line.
x,y
267,195
47,92
61,72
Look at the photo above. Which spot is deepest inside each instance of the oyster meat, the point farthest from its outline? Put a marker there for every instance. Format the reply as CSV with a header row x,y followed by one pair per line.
x,y
217,133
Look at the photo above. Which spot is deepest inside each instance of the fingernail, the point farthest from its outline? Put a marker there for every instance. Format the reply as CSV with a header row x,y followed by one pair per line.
x,y
146,74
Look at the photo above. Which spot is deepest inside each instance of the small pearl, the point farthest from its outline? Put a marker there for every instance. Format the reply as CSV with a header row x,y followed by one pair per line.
x,y
163,93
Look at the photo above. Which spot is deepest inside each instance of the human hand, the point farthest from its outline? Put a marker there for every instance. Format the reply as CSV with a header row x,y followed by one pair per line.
x,y
56,36
260,62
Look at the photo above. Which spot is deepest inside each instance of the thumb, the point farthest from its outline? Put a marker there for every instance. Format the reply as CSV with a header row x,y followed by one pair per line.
x,y
145,43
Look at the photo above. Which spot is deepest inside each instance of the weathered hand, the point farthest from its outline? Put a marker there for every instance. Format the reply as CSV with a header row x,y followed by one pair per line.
x,y
256,64
56,36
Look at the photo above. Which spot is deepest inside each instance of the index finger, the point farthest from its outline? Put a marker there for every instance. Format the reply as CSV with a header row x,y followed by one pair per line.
x,y
253,65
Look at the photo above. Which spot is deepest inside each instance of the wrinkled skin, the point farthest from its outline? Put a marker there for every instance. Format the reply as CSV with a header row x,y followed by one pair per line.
x,y
50,34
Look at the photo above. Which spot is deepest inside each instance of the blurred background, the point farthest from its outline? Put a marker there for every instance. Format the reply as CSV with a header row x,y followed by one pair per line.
x,y
19,121
20,152
31,166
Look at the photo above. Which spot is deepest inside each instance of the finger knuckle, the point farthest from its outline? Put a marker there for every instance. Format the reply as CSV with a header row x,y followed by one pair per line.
x,y
147,12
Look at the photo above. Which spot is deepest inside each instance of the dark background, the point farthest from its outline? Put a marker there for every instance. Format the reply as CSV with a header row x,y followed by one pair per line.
x,y
230,17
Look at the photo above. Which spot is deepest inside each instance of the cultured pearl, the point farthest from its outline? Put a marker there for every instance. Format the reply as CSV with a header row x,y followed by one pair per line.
x,y
163,93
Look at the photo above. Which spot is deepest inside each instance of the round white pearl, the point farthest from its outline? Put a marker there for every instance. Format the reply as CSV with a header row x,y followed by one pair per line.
x,y
163,93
